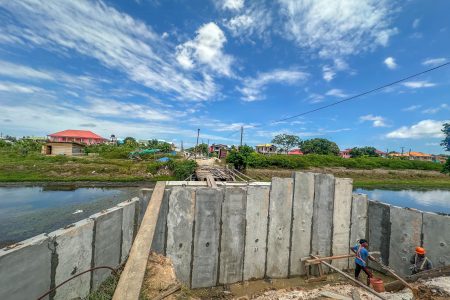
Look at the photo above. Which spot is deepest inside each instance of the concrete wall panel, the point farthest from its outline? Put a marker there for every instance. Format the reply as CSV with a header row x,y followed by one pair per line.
x,y
341,220
322,233
159,239
302,210
180,223
406,229
359,218
73,255
144,197
256,232
129,220
436,238
280,215
379,223
206,237
25,270
107,243
233,235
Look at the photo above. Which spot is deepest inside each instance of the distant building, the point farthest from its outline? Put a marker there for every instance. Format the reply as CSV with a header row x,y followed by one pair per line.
x,y
77,136
442,159
381,153
266,149
345,153
63,148
413,155
295,152
216,148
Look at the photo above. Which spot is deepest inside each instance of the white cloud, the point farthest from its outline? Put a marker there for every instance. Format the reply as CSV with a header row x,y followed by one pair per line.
x,y
254,87
254,21
99,31
378,121
432,62
338,28
437,109
336,93
390,63
416,23
11,87
329,72
418,84
423,129
206,49
412,108
233,4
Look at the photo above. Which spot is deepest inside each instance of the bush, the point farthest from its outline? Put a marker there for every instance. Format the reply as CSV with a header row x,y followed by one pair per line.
x,y
182,169
155,166
446,167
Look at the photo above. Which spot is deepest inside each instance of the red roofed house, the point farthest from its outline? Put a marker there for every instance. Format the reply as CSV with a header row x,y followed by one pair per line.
x,y
78,136
295,152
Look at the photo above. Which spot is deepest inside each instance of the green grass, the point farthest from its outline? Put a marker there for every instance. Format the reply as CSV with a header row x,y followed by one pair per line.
x,y
106,289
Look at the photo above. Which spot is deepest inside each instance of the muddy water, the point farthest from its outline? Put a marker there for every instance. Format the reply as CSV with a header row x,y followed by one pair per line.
x,y
29,211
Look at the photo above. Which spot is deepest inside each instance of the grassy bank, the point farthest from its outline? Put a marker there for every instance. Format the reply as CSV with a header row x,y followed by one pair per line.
x,y
375,178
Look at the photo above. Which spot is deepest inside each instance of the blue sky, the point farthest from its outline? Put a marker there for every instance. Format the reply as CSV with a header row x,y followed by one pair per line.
x,y
162,69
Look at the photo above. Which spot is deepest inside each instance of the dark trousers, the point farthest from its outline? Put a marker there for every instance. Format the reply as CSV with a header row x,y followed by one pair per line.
x,y
358,269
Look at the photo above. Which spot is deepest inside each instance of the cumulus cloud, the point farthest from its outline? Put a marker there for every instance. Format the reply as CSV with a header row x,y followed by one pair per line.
x,y
418,84
423,129
432,62
336,93
232,4
206,49
378,121
390,63
338,28
253,87
99,31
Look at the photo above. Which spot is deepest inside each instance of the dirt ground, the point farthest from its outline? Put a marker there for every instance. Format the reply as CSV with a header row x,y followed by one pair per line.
x,y
159,277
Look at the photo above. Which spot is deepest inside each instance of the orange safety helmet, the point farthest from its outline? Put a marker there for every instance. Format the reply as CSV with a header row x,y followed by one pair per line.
x,y
420,250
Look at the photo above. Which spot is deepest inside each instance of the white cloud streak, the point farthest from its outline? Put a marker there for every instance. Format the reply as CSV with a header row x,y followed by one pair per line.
x,y
434,110
418,84
422,129
336,93
432,62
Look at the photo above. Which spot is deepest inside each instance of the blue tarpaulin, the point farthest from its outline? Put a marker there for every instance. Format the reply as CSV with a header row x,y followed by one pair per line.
x,y
163,159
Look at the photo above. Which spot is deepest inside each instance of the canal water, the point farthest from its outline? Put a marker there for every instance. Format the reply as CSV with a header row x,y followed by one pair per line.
x,y
437,201
29,211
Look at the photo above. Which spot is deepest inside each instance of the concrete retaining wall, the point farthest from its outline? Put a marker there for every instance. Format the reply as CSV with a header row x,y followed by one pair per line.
x,y
436,238
34,266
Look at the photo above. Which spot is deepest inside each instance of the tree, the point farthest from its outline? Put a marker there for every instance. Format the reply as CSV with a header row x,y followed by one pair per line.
x,y
319,146
200,149
286,141
363,151
239,158
131,141
446,144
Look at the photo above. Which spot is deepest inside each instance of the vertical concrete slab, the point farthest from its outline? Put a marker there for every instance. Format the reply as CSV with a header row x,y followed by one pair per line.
x,y
302,210
180,224
233,235
436,238
72,255
341,220
257,213
25,271
379,223
206,237
144,197
107,243
406,229
280,216
322,226
129,219
159,239
359,218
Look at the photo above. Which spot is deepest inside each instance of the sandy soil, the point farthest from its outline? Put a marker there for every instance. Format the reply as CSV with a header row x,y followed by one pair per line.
x,y
159,277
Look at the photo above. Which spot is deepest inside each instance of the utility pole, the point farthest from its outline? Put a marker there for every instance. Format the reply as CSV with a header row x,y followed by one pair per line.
x,y
196,145
242,133
402,150
182,148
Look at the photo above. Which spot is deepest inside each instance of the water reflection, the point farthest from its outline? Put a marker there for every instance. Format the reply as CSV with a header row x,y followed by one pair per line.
x,y
425,200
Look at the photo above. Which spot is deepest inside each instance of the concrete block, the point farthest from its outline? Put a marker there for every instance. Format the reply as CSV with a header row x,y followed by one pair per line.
x,y
322,227
25,271
159,239
206,237
180,223
436,238
302,210
406,229
233,235
359,218
107,243
144,197
256,232
280,216
129,225
379,223
72,255
341,220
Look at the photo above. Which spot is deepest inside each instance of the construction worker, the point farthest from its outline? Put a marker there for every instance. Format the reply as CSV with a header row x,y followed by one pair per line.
x,y
419,262
362,255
